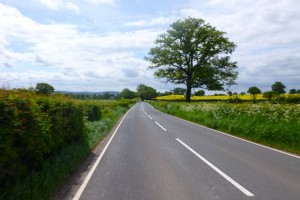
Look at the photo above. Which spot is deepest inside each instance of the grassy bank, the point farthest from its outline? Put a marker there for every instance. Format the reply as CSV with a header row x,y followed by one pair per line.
x,y
274,125
44,138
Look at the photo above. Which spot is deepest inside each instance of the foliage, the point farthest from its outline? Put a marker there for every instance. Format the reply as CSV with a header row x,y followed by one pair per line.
x,y
200,93
34,129
271,124
146,92
93,96
127,94
270,94
194,53
44,88
292,91
254,90
31,128
179,90
278,87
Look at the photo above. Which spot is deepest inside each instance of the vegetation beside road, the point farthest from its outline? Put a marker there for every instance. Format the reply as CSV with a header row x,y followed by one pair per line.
x,y
282,98
44,137
275,125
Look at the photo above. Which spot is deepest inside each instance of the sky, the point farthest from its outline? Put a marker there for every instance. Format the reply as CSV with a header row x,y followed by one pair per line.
x,y
100,45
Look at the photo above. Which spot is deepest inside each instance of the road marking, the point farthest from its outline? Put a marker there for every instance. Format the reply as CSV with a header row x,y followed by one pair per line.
x,y
149,116
146,113
233,182
88,177
143,107
160,126
232,136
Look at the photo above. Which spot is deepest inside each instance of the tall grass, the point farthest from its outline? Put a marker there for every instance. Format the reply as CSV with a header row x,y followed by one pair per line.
x,y
274,125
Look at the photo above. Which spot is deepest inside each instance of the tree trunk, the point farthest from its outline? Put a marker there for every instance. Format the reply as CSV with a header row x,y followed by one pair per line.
x,y
188,93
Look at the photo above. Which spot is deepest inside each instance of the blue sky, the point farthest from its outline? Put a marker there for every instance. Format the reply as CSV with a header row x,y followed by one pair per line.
x,y
99,45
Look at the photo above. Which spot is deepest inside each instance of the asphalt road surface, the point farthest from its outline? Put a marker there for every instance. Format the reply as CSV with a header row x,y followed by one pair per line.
x,y
154,156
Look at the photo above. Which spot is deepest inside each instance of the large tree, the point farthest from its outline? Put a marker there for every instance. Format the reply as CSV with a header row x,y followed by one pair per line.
x,y
193,53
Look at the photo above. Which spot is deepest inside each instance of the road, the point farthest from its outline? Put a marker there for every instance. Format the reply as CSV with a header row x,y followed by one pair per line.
x,y
154,156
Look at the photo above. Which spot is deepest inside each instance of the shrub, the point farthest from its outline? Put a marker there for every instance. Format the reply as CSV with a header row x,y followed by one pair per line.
x,y
31,128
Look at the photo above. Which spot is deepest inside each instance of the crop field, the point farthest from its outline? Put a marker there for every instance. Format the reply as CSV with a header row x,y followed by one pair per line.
x,y
245,97
276,125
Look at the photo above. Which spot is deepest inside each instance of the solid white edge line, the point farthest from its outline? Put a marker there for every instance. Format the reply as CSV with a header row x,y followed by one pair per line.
x,y
160,126
248,141
88,177
233,182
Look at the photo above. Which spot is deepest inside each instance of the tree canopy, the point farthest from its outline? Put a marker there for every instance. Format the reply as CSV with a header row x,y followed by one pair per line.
x,y
278,87
44,88
193,53
146,92
127,94
178,90
200,93
254,90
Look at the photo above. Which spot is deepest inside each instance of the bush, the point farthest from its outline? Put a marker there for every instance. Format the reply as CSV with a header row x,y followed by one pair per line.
x,y
31,128
43,138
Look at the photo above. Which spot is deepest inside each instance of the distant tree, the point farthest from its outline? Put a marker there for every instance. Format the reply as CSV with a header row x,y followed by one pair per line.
x,y
229,93
179,91
278,87
44,88
194,53
254,91
127,94
242,93
95,96
165,93
298,92
293,91
200,93
269,94
146,92
107,96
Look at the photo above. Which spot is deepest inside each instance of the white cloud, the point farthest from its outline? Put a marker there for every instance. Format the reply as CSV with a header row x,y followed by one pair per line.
x,y
74,48
158,21
190,12
52,4
265,32
98,2
59,4
94,59
72,6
